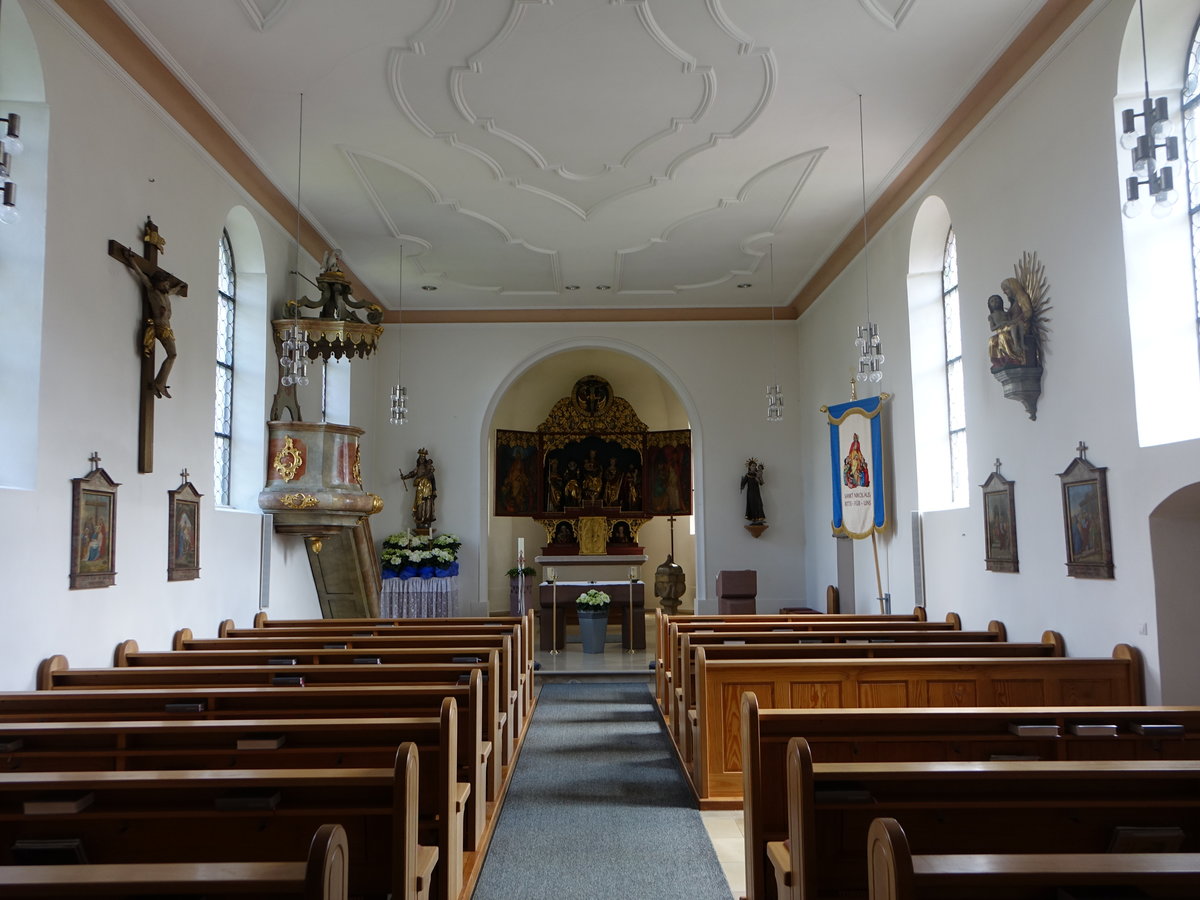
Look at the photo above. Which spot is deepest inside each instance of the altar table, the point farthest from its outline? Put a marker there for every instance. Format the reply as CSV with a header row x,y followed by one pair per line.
x,y
618,611
419,598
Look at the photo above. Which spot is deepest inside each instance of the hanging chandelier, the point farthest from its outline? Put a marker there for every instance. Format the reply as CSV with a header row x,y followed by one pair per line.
x,y
10,146
870,348
398,414
1144,146
774,393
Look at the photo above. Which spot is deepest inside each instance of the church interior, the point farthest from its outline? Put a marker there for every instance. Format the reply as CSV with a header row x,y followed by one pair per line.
x,y
662,223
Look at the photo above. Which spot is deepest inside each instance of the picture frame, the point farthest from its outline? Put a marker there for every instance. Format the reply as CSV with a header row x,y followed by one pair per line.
x,y
1085,519
93,529
1000,524
183,532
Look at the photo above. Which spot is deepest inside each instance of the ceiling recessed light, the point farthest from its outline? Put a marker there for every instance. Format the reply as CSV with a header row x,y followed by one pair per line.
x,y
571,287
604,287
745,284
429,287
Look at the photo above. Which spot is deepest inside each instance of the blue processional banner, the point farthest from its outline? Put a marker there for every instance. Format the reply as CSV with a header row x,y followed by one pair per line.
x,y
856,461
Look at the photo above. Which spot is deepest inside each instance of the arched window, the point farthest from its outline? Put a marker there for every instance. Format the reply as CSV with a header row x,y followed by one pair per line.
x,y
1189,100
223,407
956,412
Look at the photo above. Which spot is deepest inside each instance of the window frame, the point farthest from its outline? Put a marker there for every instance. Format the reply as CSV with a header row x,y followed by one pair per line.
x,y
956,434
225,368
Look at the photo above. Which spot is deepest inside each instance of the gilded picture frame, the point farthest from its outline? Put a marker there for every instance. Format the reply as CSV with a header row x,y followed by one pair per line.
x,y
1085,520
1000,524
183,533
93,529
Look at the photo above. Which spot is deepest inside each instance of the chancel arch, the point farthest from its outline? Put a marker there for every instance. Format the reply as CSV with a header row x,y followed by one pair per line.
x,y
523,401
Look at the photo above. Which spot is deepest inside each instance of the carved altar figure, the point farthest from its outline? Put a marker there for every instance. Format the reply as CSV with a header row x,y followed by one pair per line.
x,y
571,489
554,488
614,480
593,478
158,291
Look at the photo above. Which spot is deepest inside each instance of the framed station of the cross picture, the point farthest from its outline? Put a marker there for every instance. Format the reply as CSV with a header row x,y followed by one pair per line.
x,y
1085,520
93,529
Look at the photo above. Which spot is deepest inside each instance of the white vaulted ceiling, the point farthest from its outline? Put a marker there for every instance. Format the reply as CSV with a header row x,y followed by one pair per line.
x,y
546,155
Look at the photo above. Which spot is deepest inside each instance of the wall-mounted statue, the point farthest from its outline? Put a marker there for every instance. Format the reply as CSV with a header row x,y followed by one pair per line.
x,y
1018,332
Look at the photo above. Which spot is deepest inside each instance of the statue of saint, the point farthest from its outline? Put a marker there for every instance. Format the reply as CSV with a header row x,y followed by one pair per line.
x,y
571,491
1014,337
751,484
425,489
593,479
554,488
614,480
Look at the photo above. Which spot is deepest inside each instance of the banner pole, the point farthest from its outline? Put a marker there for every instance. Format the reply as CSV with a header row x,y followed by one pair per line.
x,y
878,579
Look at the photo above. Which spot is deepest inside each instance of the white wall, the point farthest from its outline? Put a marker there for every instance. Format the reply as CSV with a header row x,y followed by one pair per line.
x,y
455,374
113,160
1041,176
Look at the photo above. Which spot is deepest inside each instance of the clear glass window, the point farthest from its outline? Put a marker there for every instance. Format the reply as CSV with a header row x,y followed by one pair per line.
x,y
223,394
956,413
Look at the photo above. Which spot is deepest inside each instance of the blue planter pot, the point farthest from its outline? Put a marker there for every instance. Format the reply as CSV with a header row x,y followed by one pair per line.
x,y
593,629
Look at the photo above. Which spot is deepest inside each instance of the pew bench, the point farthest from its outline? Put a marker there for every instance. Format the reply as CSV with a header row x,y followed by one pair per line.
x,y
684,720
234,816
526,624
681,646
55,673
478,763
322,876
336,629
939,734
972,807
810,623
811,683
289,662
896,874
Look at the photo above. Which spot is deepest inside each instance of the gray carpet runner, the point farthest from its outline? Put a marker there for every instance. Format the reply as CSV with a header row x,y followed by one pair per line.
x,y
597,808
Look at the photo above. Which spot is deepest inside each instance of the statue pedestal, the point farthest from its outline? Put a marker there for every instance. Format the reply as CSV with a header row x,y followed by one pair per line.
x,y
1023,383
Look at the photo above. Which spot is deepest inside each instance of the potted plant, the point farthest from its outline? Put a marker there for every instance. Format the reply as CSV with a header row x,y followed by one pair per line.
x,y
520,586
592,609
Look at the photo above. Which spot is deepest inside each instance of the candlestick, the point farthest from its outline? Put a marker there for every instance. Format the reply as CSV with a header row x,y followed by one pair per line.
x,y
521,546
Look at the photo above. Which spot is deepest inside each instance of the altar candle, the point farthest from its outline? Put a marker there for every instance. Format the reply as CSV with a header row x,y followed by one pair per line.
x,y
633,573
520,546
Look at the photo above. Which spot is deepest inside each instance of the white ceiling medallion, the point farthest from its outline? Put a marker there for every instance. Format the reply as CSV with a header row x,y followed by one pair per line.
x,y
642,103
889,13
264,13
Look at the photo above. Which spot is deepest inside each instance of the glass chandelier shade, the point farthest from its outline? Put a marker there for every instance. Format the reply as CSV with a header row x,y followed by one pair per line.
x,y
294,360
870,354
1156,134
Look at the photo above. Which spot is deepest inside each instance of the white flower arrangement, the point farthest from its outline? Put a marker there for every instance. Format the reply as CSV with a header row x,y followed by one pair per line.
x,y
405,550
593,599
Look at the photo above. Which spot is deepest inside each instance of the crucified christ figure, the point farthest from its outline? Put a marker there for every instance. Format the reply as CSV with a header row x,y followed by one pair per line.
x,y
158,289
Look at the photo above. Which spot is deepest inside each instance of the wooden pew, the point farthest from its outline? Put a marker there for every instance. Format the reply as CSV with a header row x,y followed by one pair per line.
x,y
788,623
937,734
498,673
55,673
322,876
279,643
255,743
333,629
979,807
525,623
800,684
126,820
680,646
1051,645
479,764
896,874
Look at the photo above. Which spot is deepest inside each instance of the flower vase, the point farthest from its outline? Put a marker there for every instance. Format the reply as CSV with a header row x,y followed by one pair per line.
x,y
593,628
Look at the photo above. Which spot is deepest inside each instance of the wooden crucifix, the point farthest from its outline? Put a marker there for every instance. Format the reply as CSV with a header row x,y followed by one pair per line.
x,y
155,328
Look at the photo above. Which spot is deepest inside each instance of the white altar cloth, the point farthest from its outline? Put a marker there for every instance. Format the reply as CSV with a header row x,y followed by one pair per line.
x,y
419,598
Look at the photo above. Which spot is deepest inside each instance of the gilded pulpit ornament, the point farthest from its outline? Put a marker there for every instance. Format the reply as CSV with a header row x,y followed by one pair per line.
x,y
1018,324
288,460
298,501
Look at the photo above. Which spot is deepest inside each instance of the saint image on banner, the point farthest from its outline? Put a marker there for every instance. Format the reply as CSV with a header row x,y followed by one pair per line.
x,y
856,467
855,472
